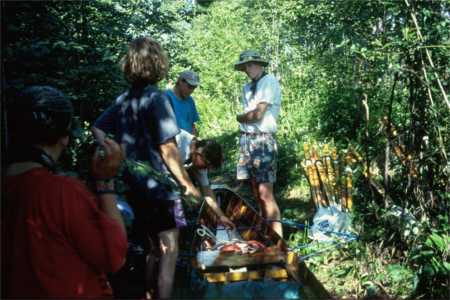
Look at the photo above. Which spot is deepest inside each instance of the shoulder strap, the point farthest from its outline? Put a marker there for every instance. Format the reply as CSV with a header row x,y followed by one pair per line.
x,y
33,154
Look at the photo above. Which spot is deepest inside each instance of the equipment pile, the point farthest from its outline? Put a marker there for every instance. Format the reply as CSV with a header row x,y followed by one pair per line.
x,y
330,181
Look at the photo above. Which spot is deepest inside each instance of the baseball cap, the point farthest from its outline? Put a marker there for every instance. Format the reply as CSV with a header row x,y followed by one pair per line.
x,y
190,77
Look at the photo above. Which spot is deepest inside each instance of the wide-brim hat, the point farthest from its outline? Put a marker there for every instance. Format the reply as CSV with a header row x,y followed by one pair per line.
x,y
249,56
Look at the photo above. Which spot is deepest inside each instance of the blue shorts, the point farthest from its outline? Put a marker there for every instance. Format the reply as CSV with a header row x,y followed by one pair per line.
x,y
257,157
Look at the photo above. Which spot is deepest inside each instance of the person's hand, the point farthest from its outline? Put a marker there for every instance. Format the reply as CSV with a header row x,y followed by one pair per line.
x,y
106,160
192,195
224,220
192,191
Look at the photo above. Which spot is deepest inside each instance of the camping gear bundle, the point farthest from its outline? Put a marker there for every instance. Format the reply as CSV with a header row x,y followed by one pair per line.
x,y
330,179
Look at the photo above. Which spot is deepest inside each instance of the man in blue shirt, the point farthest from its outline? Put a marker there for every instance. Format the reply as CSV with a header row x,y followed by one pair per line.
x,y
182,102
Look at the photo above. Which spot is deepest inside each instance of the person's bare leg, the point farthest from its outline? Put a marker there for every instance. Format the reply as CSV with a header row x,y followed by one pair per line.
x,y
255,192
152,263
169,253
269,206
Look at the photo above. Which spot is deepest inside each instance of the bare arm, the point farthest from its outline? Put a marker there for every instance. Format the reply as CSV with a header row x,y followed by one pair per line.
x,y
105,168
253,115
171,157
99,135
211,201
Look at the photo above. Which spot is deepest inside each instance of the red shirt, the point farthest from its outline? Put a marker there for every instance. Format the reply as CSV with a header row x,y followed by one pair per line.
x,y
56,242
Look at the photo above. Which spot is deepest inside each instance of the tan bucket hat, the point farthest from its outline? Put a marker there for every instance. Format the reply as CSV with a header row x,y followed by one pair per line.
x,y
249,56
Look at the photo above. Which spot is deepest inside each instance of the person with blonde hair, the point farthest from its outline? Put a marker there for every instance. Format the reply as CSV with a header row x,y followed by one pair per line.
x,y
143,122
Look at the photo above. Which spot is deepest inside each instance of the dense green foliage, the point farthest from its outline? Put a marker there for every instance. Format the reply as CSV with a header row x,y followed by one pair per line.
x,y
344,66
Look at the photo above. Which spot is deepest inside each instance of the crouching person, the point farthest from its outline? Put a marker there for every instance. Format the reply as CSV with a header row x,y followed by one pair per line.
x,y
58,239
198,157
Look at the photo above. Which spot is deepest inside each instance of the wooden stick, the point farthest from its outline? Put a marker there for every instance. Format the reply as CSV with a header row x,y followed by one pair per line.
x,y
331,179
307,167
323,182
337,175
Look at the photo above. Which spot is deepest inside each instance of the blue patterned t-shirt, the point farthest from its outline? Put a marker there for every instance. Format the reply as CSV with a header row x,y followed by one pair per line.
x,y
141,121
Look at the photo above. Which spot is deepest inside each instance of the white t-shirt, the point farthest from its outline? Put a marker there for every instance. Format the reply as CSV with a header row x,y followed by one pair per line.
x,y
184,140
267,91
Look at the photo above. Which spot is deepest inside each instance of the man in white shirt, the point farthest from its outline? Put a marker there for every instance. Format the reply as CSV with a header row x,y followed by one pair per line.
x,y
199,156
261,99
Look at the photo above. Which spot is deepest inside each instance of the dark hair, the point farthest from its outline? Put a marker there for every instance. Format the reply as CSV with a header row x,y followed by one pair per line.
x,y
145,62
38,115
212,151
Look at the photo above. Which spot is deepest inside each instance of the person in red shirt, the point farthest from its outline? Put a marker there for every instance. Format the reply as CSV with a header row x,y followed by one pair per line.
x,y
58,239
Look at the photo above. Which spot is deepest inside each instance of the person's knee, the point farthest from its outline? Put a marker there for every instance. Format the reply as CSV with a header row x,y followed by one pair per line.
x,y
266,193
267,197
169,243
169,250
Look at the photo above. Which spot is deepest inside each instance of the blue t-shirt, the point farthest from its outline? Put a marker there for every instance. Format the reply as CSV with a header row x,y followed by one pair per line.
x,y
185,111
142,121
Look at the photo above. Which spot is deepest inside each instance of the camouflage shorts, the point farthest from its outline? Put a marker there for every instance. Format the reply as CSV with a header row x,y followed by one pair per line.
x,y
257,158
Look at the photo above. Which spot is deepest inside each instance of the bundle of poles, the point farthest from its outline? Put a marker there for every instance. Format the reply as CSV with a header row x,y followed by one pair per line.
x,y
329,175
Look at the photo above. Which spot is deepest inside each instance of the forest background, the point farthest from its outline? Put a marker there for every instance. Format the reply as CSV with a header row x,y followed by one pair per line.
x,y
366,77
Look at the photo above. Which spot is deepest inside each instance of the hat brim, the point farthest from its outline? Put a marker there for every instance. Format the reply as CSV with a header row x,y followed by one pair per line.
x,y
240,65
193,83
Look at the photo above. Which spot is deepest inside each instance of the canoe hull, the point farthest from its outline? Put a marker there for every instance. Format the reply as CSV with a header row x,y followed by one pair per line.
x,y
274,263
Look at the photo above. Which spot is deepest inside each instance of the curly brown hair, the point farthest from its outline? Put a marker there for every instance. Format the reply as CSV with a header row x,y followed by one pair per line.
x,y
145,62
